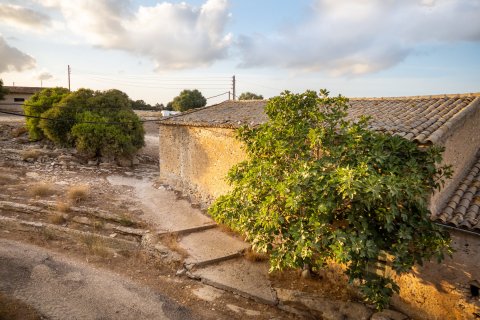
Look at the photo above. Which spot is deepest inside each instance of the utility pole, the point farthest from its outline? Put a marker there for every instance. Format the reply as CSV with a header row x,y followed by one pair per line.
x,y
233,87
69,71
229,95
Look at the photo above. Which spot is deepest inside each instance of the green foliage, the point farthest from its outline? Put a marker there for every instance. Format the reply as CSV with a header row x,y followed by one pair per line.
x,y
3,91
97,123
250,96
318,188
110,140
142,105
188,99
37,105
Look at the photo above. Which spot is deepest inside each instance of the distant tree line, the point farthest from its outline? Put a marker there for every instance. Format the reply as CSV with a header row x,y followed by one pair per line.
x,y
142,105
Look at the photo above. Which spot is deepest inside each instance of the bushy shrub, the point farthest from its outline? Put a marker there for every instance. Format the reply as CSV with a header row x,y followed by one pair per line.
x,y
317,188
97,123
123,137
37,105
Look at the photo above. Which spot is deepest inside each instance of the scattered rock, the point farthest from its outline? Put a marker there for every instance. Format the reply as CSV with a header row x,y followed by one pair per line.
x,y
306,274
135,161
388,314
92,162
181,272
82,220
315,306
124,162
247,312
208,293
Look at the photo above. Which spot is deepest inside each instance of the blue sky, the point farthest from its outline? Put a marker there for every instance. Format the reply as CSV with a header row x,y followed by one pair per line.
x,y
152,49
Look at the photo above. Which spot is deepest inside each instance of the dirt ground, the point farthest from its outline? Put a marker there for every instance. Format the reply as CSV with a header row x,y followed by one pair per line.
x,y
54,199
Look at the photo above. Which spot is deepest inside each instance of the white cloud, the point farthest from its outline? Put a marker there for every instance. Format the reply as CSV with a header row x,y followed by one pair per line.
x,y
44,75
174,36
23,17
13,59
353,37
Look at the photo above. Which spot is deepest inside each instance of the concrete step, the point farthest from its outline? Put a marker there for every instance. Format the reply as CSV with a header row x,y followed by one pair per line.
x,y
247,279
210,246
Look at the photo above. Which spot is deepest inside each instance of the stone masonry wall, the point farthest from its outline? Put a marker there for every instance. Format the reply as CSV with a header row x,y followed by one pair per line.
x,y
442,291
196,160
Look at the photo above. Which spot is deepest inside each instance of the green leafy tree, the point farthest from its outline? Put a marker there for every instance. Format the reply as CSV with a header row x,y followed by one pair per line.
x,y
97,123
3,90
188,99
37,105
250,96
121,135
318,188
64,115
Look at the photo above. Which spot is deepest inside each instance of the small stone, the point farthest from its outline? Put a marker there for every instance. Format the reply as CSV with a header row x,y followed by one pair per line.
x,y
135,161
388,314
181,272
113,235
306,274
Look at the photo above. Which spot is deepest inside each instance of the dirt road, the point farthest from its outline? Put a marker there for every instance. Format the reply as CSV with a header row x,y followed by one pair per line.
x,y
61,288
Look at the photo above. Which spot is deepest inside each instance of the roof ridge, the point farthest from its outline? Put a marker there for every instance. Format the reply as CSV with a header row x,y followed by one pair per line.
x,y
191,111
455,120
453,95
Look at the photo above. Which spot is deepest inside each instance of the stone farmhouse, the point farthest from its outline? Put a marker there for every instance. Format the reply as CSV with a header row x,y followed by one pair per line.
x,y
16,96
197,148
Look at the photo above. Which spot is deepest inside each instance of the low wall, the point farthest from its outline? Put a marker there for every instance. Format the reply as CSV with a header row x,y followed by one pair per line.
x,y
196,160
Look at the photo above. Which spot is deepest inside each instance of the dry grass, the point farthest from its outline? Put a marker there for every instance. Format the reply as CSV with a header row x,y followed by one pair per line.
x,y
17,132
43,189
57,218
31,153
253,256
126,220
62,206
98,225
78,193
96,245
171,240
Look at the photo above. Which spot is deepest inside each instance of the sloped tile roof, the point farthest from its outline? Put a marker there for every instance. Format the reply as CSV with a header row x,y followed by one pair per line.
x,y
228,114
425,119
23,90
463,209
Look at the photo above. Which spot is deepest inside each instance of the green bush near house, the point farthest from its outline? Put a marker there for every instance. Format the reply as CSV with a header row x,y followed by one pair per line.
x,y
97,123
317,188
39,103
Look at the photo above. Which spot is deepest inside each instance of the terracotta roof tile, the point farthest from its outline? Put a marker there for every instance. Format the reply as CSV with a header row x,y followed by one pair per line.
x,y
423,119
463,208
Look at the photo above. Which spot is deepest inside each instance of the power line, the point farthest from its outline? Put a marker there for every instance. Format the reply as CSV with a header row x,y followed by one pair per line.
x,y
74,120
218,95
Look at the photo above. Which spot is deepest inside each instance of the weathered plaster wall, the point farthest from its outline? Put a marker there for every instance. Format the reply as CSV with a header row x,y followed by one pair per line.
x,y
460,150
8,103
442,291
195,160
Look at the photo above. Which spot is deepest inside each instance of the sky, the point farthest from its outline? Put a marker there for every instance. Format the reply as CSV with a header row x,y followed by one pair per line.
x,y
153,49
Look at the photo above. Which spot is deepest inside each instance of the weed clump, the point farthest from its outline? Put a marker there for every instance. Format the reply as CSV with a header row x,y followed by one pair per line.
x,y
43,189
78,193
31,154
57,218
